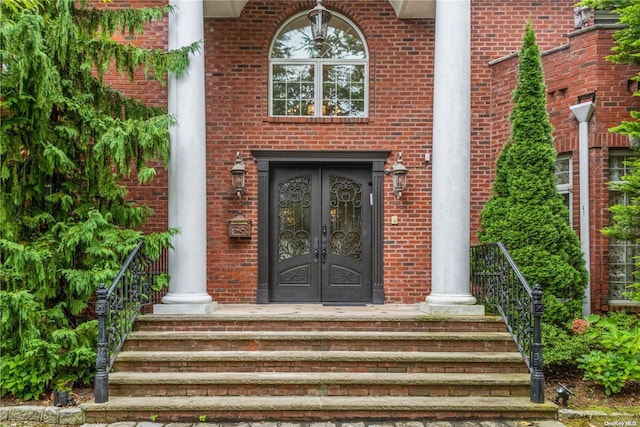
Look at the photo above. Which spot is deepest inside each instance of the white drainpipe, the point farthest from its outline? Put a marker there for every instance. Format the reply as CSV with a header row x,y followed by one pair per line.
x,y
583,113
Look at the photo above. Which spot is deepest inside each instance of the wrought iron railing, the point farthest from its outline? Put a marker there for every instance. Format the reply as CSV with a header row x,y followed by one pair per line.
x,y
117,308
497,283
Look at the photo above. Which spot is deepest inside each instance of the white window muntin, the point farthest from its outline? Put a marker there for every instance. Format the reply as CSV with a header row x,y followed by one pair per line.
x,y
312,64
318,81
322,82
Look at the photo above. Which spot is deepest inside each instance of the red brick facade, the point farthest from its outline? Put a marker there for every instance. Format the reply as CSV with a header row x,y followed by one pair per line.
x,y
400,119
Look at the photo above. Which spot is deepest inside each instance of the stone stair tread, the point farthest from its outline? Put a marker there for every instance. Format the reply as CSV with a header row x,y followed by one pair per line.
x,y
273,362
160,378
324,403
317,335
307,313
285,355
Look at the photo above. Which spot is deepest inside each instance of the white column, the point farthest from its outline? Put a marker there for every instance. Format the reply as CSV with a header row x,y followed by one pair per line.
x,y
187,171
583,113
450,287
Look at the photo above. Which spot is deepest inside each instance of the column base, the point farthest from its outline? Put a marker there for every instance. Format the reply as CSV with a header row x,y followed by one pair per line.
x,y
185,308
452,309
186,298
452,305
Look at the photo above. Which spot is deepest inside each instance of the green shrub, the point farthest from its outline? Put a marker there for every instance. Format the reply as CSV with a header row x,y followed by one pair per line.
x,y
614,360
68,143
562,348
41,348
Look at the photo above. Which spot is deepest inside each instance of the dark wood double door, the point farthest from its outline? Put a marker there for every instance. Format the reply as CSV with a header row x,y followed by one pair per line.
x,y
320,234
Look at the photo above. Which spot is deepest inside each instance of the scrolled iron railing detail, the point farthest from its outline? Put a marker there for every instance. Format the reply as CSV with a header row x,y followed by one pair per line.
x,y
118,307
497,282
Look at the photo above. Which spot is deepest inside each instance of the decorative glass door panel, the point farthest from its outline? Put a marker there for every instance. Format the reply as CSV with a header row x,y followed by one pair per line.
x,y
320,235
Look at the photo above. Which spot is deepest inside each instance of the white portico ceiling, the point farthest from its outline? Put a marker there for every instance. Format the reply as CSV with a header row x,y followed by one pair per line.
x,y
223,8
405,9
414,9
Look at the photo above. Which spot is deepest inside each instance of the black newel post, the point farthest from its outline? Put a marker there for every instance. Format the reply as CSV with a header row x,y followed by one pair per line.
x,y
101,384
537,376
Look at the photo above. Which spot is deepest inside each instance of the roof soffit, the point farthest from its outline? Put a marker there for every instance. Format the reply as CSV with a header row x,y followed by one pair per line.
x,y
223,8
414,9
405,9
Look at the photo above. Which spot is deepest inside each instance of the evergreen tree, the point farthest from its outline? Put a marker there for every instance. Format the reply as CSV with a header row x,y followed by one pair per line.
x,y
67,143
626,217
525,212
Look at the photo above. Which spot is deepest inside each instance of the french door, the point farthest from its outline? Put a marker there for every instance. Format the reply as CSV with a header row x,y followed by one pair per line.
x,y
320,234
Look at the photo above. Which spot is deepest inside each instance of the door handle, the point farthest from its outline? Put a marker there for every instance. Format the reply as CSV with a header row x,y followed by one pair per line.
x,y
315,249
324,250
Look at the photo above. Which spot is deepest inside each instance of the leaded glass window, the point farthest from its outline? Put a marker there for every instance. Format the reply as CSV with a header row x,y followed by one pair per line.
x,y
294,214
622,253
303,77
346,216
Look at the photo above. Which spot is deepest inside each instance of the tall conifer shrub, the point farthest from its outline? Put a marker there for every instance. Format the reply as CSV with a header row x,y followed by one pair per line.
x,y
67,142
525,212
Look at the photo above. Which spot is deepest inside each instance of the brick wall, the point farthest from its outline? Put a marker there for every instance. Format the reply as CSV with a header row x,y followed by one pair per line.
x,y
401,85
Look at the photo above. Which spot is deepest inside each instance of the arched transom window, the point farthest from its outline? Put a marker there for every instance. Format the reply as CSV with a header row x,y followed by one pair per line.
x,y
329,82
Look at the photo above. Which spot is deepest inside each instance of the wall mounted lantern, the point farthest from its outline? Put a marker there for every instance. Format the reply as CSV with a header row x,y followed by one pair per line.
x,y
319,17
399,173
238,173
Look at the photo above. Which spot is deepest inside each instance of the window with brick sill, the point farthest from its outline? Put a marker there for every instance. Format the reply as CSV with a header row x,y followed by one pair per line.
x,y
307,82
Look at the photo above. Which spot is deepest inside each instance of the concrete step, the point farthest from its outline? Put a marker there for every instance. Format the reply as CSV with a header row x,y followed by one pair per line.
x,y
260,363
320,341
320,361
316,384
316,408
319,321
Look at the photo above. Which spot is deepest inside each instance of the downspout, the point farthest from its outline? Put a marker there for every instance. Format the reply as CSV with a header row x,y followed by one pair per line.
x,y
583,113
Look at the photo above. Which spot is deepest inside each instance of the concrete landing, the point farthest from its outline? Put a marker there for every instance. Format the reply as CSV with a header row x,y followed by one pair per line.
x,y
321,311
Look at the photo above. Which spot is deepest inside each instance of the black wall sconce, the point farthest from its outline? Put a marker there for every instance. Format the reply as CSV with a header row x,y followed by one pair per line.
x,y
319,17
238,173
399,173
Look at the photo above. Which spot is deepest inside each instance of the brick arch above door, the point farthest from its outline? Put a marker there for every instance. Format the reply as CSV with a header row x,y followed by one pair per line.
x,y
266,159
